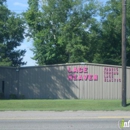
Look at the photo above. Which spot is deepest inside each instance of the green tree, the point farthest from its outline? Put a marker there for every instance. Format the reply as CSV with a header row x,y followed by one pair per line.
x,y
62,31
110,46
2,2
11,35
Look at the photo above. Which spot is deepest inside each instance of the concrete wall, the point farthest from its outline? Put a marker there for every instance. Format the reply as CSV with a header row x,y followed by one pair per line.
x,y
67,81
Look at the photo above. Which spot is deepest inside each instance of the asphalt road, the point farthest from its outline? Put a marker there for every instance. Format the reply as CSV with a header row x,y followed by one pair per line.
x,y
79,120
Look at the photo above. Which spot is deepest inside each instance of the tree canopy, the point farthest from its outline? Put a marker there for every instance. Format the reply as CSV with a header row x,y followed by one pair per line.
x,y
111,31
65,31
62,30
11,36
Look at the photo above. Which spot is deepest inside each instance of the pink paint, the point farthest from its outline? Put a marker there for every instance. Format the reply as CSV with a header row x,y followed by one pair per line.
x,y
80,70
110,69
85,77
105,76
115,73
70,77
109,80
95,77
104,79
110,75
75,70
75,77
105,72
80,77
90,77
69,69
105,69
85,70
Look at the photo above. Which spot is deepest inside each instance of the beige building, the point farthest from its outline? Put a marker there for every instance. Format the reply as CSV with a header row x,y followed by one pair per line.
x,y
65,81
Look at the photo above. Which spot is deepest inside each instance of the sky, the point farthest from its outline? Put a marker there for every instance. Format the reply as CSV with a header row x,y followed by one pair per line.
x,y
19,6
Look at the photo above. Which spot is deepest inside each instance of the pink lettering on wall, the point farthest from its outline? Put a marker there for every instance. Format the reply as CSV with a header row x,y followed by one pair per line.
x,y
95,77
75,77
77,69
80,74
70,77
85,70
69,69
80,70
90,77
83,77
111,74
80,77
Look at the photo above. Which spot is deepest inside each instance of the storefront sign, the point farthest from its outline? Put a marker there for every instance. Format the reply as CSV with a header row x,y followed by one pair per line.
x,y
80,73
111,74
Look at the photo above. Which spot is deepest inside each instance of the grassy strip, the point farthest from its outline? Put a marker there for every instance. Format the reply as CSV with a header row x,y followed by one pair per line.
x,y
62,105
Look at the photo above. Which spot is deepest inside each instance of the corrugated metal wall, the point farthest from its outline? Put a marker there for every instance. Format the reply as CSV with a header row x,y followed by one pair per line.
x,y
67,81
9,76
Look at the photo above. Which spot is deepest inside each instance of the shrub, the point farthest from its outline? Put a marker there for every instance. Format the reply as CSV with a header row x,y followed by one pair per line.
x,y
1,96
12,96
21,96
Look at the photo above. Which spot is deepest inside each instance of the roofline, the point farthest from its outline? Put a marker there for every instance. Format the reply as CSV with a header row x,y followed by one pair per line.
x,y
66,64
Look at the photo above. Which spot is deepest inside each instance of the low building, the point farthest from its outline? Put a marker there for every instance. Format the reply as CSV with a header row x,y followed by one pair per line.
x,y
64,81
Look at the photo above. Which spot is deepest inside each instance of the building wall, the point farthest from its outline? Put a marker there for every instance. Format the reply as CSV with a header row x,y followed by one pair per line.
x,y
66,81
9,76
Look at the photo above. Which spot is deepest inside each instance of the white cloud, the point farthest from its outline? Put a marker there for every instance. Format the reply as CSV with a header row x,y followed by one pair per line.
x,y
20,4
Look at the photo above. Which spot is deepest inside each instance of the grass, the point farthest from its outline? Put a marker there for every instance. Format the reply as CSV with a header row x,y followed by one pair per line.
x,y
62,105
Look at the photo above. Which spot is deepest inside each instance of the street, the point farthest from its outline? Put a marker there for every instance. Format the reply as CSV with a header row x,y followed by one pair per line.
x,y
80,120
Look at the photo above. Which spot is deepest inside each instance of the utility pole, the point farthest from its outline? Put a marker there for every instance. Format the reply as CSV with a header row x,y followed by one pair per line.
x,y
124,53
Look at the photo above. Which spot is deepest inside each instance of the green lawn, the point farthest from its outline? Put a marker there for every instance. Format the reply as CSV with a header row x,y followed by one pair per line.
x,y
62,105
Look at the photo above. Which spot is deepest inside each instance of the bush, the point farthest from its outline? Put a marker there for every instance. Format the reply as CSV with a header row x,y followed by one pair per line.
x,y
12,96
21,96
1,96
